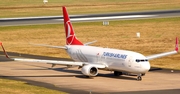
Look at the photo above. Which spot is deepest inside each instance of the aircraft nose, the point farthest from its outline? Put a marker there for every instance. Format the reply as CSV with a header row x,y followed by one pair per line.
x,y
146,66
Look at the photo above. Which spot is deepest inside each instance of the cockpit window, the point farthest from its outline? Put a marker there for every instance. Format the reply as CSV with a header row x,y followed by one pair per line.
x,y
137,60
141,60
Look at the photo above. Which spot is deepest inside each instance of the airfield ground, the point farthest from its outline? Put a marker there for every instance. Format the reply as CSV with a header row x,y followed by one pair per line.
x,y
158,35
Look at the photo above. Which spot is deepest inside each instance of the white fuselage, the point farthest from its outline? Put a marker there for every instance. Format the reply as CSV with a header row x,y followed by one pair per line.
x,y
118,60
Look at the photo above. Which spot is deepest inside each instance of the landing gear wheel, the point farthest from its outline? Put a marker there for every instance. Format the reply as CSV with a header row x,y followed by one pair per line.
x,y
139,78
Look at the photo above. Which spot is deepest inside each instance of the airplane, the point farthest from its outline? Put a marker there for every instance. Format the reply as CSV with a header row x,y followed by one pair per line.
x,y
91,59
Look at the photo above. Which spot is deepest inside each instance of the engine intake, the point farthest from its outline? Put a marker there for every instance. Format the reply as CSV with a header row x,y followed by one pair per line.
x,y
89,70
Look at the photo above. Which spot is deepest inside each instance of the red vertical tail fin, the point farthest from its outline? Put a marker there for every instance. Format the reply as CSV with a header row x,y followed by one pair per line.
x,y
70,34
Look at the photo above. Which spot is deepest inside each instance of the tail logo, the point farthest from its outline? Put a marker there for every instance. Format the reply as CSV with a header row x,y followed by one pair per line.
x,y
70,34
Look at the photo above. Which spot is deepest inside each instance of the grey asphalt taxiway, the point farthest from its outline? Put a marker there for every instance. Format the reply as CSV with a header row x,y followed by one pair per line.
x,y
71,80
89,17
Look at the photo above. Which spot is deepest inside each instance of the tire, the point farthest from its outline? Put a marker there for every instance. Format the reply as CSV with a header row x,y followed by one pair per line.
x,y
139,78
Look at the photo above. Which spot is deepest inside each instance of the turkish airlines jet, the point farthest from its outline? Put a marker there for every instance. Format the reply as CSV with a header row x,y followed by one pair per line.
x,y
90,59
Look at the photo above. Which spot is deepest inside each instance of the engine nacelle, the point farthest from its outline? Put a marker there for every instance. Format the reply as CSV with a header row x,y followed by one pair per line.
x,y
89,70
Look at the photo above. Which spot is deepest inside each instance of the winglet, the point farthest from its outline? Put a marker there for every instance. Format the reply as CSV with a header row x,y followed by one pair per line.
x,y
177,47
4,50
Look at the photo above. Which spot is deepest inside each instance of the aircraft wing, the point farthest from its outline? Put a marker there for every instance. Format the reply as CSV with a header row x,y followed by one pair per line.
x,y
56,62
161,55
166,53
53,62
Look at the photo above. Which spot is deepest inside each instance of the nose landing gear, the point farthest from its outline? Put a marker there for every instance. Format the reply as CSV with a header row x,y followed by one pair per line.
x,y
139,78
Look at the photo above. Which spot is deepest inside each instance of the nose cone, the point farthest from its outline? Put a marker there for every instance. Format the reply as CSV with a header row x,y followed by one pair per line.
x,y
145,66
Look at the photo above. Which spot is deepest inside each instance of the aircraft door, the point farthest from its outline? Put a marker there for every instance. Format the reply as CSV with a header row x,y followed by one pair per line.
x,y
100,58
130,61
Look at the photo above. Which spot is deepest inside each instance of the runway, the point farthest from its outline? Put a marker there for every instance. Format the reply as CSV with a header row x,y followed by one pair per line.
x,y
89,17
72,81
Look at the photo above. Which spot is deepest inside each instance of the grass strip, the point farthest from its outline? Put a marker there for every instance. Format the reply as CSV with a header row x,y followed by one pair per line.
x,y
19,87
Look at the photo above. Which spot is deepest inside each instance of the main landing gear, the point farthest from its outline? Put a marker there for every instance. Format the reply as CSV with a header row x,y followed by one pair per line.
x,y
139,78
117,73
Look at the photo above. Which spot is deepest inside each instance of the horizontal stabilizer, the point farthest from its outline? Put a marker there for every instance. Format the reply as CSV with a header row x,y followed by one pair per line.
x,y
44,45
88,43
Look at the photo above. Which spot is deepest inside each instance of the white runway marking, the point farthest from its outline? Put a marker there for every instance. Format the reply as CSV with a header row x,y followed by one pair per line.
x,y
110,18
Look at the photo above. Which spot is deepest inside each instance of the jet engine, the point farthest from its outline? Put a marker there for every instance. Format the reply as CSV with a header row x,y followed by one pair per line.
x,y
89,70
